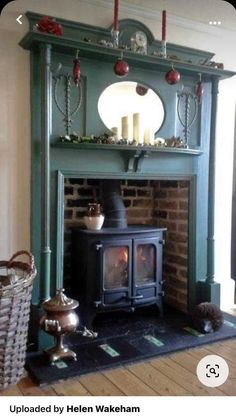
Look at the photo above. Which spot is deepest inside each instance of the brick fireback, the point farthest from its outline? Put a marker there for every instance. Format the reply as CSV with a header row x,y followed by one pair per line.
x,y
162,203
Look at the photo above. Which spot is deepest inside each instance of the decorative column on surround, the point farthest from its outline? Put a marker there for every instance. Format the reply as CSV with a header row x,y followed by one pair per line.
x,y
46,113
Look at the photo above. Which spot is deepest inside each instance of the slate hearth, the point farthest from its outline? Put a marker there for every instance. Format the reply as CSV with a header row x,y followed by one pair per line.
x,y
125,338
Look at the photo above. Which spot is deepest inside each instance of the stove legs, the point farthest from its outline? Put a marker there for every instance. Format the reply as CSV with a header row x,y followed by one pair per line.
x,y
160,308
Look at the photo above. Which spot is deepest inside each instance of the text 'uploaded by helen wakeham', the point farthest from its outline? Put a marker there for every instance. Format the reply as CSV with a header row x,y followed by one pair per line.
x,y
70,408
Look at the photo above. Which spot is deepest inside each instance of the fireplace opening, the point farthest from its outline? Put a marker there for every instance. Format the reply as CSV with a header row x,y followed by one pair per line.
x,y
144,203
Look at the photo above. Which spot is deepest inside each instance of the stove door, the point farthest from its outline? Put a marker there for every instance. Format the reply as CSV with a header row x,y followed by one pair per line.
x,y
147,273
115,263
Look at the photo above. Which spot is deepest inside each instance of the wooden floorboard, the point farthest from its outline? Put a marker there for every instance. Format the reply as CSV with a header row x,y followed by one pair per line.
x,y
183,377
72,387
172,375
128,383
158,381
227,350
100,385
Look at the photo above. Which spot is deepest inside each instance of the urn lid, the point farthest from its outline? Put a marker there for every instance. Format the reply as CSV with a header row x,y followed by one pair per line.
x,y
60,302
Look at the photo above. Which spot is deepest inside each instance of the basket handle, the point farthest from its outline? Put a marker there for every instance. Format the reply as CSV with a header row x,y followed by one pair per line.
x,y
23,252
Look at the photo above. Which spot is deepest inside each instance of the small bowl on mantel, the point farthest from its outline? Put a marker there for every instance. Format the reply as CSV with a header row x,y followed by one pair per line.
x,y
94,223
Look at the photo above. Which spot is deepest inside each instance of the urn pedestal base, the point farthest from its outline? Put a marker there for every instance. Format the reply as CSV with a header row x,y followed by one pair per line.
x,y
60,351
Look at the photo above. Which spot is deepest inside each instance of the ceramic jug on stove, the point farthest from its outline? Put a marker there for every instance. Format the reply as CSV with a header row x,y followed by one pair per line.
x,y
94,218
94,210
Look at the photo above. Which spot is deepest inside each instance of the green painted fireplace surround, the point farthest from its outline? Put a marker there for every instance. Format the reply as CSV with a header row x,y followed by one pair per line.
x,y
53,161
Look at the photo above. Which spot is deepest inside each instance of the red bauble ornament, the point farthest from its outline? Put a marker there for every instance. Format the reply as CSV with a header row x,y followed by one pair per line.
x,y
172,77
121,68
141,90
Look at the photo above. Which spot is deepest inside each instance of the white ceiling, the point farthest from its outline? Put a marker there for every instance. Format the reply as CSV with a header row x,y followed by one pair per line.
x,y
201,11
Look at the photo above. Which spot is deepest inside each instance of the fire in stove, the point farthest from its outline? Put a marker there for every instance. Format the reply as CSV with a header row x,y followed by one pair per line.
x,y
116,267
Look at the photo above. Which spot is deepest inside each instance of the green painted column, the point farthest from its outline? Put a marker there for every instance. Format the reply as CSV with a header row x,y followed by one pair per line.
x,y
208,289
211,185
46,118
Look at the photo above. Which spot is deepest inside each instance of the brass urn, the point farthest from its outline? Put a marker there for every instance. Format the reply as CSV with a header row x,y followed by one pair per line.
x,y
59,320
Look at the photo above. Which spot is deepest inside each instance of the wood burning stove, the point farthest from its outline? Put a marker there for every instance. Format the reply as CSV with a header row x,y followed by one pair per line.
x,y
116,269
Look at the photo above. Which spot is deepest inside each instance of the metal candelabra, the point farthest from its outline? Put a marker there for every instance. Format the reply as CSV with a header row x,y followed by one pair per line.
x,y
189,101
67,112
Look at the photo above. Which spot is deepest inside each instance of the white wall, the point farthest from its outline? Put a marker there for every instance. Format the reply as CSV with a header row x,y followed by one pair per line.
x,y
15,99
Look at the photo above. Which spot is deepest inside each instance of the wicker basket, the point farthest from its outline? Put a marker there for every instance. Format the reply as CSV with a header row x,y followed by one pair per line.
x,y
15,297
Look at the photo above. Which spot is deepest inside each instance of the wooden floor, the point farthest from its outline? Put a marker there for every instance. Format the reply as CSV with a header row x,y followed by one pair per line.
x,y
173,375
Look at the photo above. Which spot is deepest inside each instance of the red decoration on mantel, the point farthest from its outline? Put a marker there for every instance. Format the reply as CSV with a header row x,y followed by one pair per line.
x,y
199,90
172,76
76,69
49,25
121,67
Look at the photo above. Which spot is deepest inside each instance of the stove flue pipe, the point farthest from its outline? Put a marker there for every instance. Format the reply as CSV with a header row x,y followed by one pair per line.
x,y
113,205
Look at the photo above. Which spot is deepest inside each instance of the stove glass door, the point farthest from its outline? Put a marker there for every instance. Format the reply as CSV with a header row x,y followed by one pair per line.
x,y
145,264
115,267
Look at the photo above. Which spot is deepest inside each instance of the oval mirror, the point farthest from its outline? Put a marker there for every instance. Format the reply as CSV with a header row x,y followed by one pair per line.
x,y
131,111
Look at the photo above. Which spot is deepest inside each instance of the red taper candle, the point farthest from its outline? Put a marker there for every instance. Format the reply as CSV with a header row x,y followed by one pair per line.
x,y
116,7
163,25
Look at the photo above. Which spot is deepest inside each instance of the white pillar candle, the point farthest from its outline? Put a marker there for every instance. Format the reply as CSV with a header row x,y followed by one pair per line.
x,y
115,132
151,136
126,128
138,127
136,118
147,136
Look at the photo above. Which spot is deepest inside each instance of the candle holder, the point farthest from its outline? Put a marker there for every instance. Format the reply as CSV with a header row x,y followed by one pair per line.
x,y
163,49
115,38
188,102
64,82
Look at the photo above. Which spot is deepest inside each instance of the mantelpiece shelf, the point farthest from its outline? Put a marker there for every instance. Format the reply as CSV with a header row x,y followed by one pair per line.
x,y
96,51
128,148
